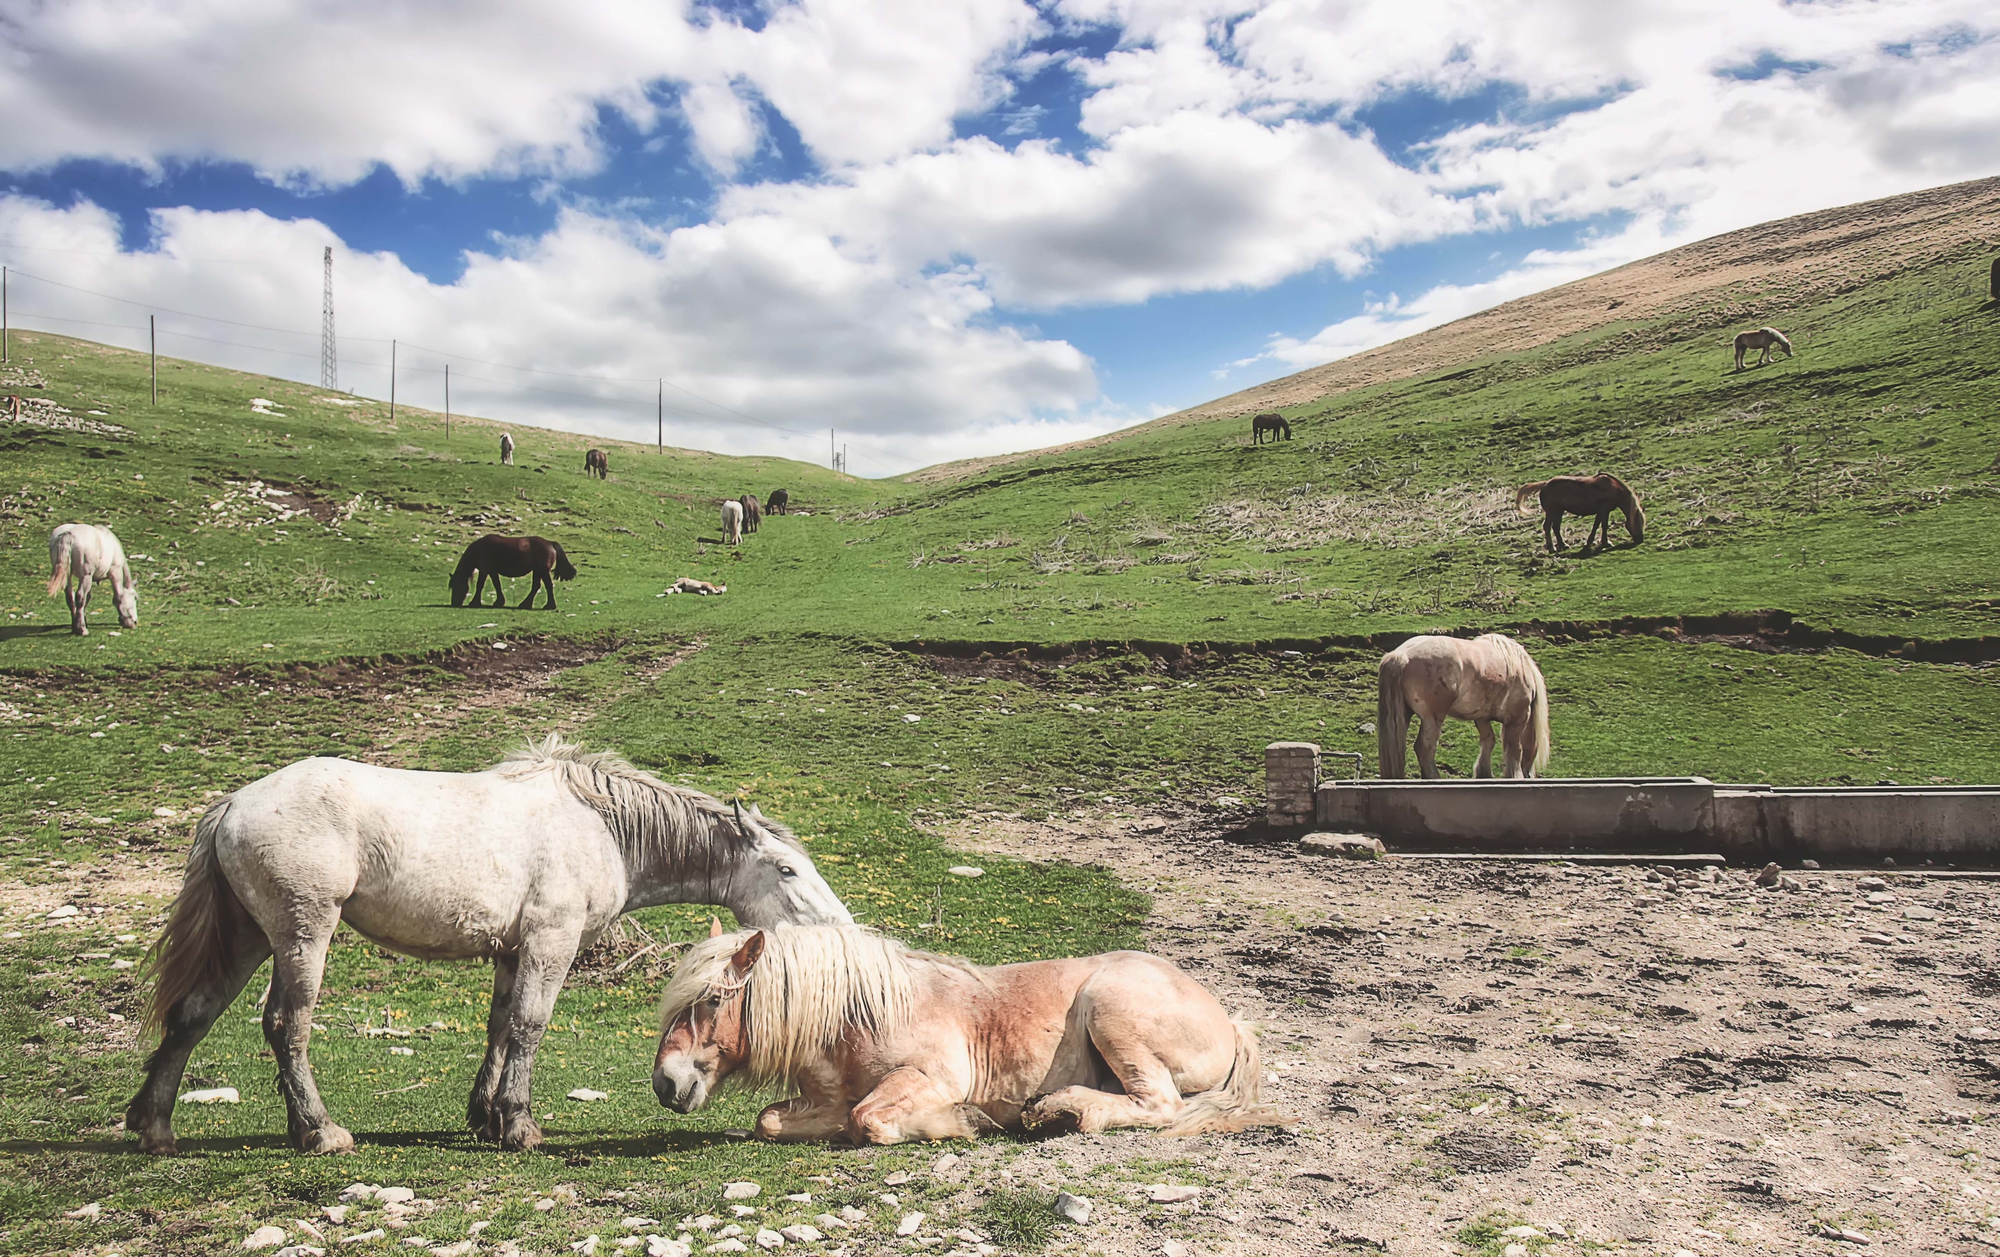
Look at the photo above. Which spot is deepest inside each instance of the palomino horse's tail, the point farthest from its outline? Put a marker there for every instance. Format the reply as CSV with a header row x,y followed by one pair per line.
x,y
1235,1105
1521,495
1392,718
1536,761
194,951
564,569
61,547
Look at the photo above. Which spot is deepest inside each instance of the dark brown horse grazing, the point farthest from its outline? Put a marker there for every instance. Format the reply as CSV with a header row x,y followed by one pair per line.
x,y
597,463
1273,423
496,556
777,502
753,514
1596,495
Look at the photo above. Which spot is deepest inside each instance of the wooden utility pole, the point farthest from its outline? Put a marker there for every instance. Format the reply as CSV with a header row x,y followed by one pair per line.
x,y
392,381
832,453
153,349
660,420
447,401
5,350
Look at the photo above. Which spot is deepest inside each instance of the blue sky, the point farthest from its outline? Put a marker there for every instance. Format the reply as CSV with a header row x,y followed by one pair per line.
x,y
944,231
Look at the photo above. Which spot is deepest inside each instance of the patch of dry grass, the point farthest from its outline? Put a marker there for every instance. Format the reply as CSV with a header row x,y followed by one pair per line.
x,y
1307,516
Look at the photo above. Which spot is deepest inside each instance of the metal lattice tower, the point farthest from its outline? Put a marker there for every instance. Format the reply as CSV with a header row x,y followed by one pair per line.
x,y
329,362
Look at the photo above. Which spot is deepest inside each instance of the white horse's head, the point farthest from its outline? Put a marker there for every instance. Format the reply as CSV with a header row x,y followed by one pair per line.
x,y
127,602
776,882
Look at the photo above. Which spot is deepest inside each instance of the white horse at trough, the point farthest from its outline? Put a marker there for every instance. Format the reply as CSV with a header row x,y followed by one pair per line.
x,y
525,864
1487,679
80,555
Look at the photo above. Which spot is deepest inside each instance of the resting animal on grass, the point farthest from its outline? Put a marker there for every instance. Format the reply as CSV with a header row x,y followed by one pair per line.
x,y
1764,338
732,523
1595,496
777,502
689,585
883,1044
81,555
525,865
597,463
496,556
1273,423
1487,679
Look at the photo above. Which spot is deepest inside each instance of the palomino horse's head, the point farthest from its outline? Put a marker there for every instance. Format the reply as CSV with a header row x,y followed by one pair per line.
x,y
775,881
703,1044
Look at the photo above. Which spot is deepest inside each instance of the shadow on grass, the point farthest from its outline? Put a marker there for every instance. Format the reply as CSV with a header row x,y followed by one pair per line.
x,y
636,1145
12,631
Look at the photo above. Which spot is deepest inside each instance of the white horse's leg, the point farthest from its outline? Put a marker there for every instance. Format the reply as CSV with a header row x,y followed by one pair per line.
x,y
151,1113
79,605
1516,734
480,1108
1484,766
544,962
295,979
1428,731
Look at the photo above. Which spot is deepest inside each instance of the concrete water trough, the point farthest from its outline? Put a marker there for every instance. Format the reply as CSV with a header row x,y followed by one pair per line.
x,y
1640,815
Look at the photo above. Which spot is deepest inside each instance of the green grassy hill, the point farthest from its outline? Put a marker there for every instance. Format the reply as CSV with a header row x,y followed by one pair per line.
x,y
1814,601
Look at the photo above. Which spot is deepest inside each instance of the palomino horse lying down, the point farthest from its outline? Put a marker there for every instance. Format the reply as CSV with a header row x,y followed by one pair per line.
x,y
525,864
884,1044
1487,679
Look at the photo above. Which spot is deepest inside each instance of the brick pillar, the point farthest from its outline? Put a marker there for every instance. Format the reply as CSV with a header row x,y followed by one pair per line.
x,y
1291,778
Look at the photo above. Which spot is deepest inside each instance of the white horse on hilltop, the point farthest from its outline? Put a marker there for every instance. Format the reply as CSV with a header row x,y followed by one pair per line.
x,y
732,522
81,555
1487,679
525,864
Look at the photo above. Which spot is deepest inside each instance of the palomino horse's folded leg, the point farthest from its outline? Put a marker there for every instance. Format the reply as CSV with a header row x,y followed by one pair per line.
x,y
908,1104
543,963
297,969
479,1109
800,1120
150,1116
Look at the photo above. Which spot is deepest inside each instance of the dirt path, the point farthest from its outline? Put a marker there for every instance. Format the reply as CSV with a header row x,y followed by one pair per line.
x,y
1652,1066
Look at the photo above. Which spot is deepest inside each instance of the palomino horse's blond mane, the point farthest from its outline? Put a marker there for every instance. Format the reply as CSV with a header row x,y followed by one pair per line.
x,y
805,991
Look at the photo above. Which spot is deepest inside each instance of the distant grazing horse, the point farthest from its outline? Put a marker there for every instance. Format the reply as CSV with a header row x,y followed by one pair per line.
x,y
1596,495
878,1043
81,555
1273,423
506,450
1489,678
525,865
496,556
596,463
732,522
753,514
1764,338
777,502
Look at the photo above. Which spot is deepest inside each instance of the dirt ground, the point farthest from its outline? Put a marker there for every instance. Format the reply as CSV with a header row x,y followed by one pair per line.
x,y
1628,1059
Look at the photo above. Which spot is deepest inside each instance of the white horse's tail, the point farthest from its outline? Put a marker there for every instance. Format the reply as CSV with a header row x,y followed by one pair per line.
x,y
1235,1105
62,546
1392,719
195,950
1538,759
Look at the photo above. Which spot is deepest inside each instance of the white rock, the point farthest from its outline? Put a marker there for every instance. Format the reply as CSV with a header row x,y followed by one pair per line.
x,y
801,1233
90,1210
212,1095
395,1195
1846,1236
585,1093
637,1223
300,1250
1168,1193
890,1199
585,1246
851,1214
1075,1208
63,913
897,1179
377,1234
966,870
706,1222
544,1205
831,1223
661,1246
741,1191
1522,1233
744,1211
910,1223
767,1238
911,718
402,1051
1514,1250
1173,1248
729,1232
730,1245
460,1249
800,1198
265,1237
944,1163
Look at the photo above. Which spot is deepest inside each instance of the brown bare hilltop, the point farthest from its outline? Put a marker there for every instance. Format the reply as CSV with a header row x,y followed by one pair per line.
x,y
1740,277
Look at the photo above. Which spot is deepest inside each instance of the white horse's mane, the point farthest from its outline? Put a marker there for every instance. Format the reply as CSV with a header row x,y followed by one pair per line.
x,y
647,816
811,985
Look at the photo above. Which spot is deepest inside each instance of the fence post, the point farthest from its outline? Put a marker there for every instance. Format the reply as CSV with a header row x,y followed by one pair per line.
x,y
6,349
447,401
153,351
392,381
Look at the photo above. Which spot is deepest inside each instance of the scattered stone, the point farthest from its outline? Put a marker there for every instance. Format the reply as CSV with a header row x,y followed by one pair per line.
x,y
91,1210
1809,864
63,913
1169,1193
729,1232
852,1215
1075,1208
741,1191
730,1245
265,1237
767,1238
1788,882
1343,846
1919,914
367,1236
212,1095
1880,896
944,1163
304,1250
1831,1232
802,1198
1770,875
586,1094
966,870
585,1246
661,1246
910,1223
1879,940
395,1195
828,1222
1735,1103
801,1233
402,1051
460,1249
1514,1250
1871,883
1173,1248
897,1179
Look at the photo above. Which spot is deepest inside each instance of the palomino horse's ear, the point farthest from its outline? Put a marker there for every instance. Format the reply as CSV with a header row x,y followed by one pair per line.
x,y
715,927
746,956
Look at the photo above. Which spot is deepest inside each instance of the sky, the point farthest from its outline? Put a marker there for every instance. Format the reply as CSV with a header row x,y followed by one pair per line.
x,y
935,230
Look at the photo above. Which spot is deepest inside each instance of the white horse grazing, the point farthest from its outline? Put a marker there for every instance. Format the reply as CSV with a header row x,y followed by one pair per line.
x,y
79,556
732,522
506,449
526,864
1765,339
1487,679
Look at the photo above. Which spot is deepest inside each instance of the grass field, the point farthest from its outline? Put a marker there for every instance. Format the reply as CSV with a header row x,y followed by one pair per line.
x,y
1122,612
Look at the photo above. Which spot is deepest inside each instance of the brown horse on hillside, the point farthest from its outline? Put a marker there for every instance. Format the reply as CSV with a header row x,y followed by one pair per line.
x,y
753,514
496,556
1596,495
1273,423
597,463
777,502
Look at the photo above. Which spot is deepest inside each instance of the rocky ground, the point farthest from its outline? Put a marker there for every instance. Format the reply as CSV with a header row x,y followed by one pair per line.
x,y
1619,1059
